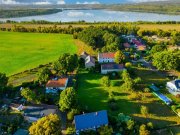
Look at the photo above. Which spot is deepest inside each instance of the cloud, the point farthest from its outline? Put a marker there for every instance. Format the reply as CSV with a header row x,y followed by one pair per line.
x,y
9,2
79,14
137,1
42,3
61,2
86,2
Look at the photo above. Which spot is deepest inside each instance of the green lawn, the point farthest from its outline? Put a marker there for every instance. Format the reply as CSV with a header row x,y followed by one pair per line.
x,y
94,97
23,51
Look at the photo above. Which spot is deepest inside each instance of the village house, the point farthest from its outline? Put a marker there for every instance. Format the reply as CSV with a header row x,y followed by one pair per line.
x,y
53,86
90,121
174,87
34,112
111,67
127,45
89,60
106,57
138,45
16,107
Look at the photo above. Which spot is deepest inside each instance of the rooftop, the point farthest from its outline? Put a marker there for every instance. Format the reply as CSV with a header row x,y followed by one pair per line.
x,y
91,120
176,83
107,55
57,83
111,66
127,45
90,59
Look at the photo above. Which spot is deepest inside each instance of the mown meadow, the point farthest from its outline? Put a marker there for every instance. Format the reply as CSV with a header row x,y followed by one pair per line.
x,y
24,51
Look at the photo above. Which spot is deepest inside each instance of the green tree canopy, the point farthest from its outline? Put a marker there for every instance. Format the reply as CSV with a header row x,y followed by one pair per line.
x,y
105,130
105,81
66,63
119,57
43,75
28,94
167,60
48,125
158,48
68,99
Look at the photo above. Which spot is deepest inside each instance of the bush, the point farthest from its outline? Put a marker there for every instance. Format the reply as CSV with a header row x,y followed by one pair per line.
x,y
105,81
128,65
70,115
137,80
150,125
146,90
144,110
70,131
114,83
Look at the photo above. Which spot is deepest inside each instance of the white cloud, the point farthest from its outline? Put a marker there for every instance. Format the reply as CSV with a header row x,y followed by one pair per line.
x,y
86,2
8,2
137,1
61,2
79,14
42,3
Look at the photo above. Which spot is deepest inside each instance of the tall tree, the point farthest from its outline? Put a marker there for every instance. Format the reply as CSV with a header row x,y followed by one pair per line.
x,y
43,75
105,130
167,60
3,81
68,99
48,125
28,94
66,63
119,57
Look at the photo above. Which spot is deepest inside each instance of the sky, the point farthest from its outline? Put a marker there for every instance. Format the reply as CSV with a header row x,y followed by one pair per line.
x,y
39,2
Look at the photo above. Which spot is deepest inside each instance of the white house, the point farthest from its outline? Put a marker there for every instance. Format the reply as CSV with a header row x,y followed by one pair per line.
x,y
16,107
89,62
174,87
111,67
53,86
106,57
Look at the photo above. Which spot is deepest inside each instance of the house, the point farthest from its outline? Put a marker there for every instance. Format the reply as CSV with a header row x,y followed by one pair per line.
x,y
90,121
138,45
106,57
34,112
89,62
16,107
84,55
111,67
53,86
174,87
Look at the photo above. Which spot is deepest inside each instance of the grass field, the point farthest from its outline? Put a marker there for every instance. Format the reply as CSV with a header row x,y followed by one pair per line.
x,y
93,96
23,51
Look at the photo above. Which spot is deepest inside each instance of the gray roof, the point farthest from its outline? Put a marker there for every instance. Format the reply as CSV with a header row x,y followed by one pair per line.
x,y
90,59
39,111
111,66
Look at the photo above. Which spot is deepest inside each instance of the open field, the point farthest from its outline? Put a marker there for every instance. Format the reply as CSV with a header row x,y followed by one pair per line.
x,y
142,26
93,96
23,51
165,27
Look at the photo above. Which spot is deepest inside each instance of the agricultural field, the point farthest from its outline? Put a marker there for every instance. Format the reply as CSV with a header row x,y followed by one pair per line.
x,y
24,51
142,26
94,96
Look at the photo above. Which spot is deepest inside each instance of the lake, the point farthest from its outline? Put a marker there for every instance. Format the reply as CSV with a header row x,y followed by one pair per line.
x,y
99,16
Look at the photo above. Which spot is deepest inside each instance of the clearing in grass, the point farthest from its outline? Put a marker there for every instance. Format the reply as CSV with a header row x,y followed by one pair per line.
x,y
24,51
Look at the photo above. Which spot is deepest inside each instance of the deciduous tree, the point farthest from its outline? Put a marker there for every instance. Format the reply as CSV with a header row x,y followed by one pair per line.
x,y
48,125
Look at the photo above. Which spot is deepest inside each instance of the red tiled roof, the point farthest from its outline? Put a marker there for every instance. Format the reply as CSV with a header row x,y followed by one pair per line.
x,y
57,83
107,55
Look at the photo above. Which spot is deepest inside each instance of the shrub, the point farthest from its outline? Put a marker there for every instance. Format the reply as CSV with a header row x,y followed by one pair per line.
x,y
70,115
70,131
105,81
150,125
137,80
113,106
144,110
128,65
146,90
